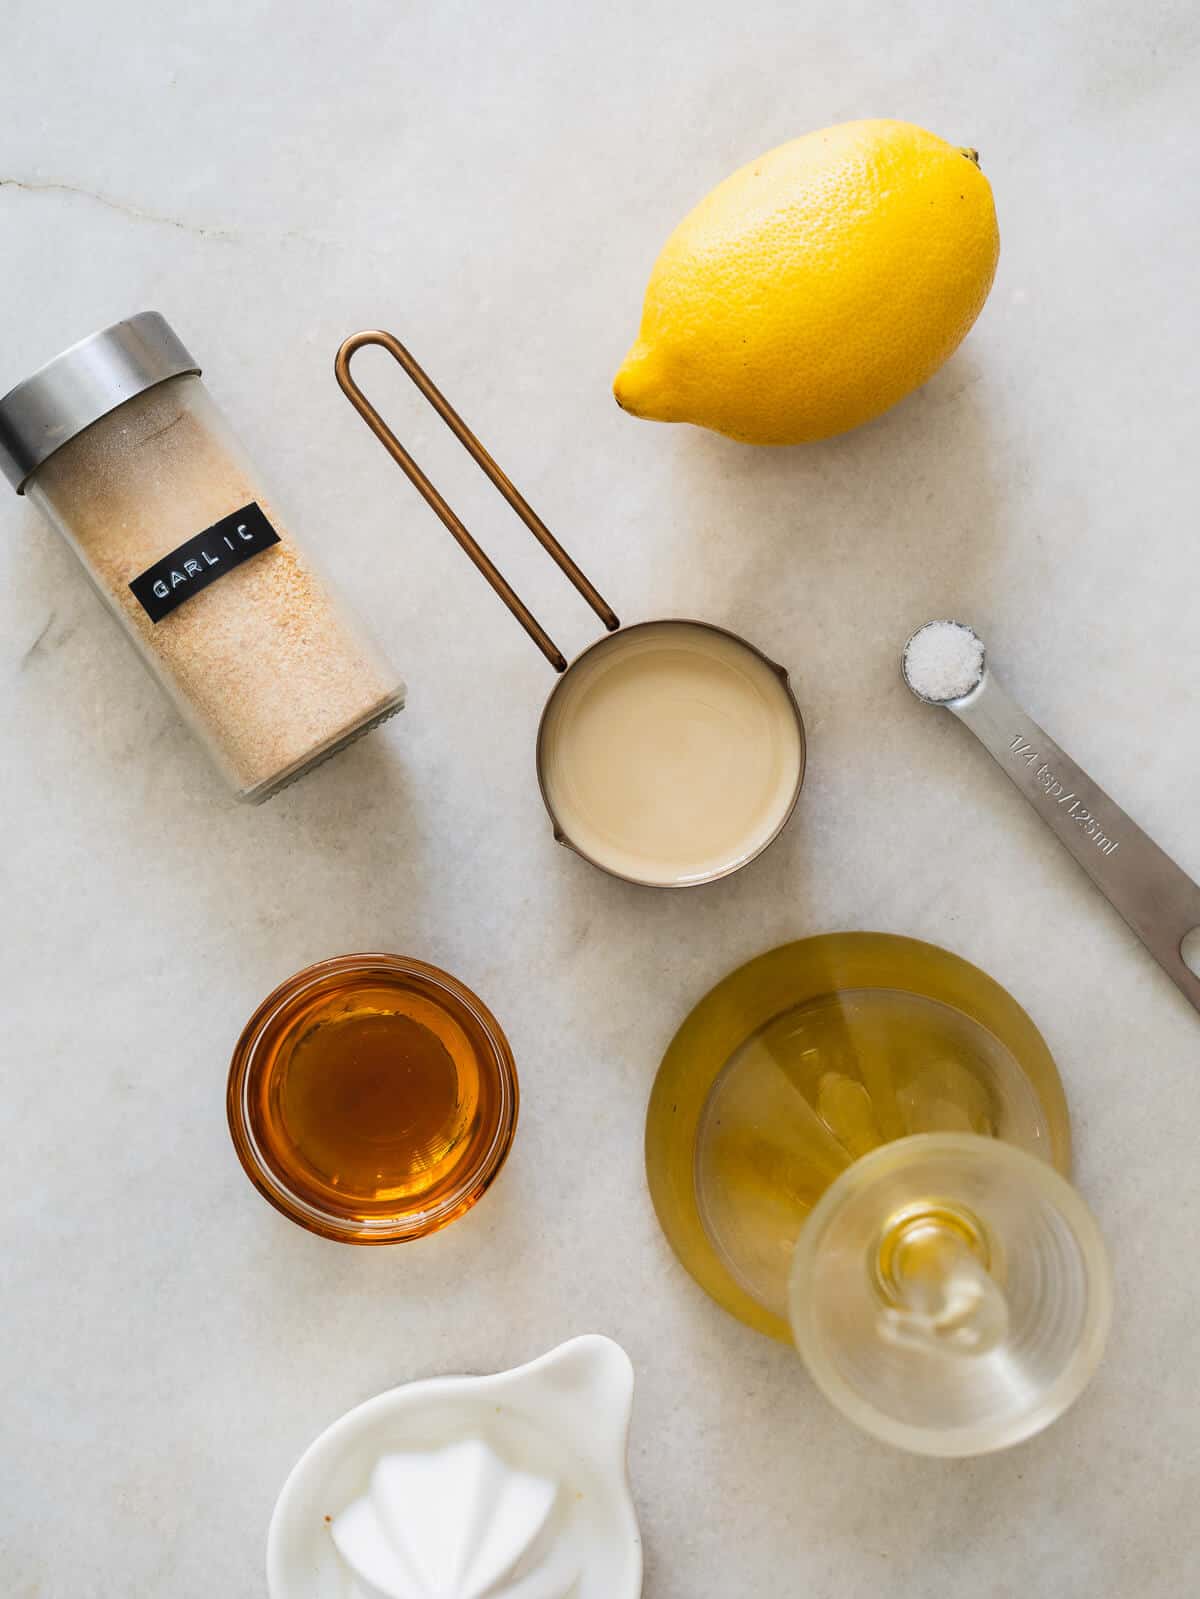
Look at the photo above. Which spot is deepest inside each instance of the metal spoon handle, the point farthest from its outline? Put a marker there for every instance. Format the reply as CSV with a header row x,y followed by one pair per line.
x,y
1158,900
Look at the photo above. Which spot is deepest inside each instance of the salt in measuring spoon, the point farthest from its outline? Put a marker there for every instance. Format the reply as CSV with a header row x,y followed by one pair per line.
x,y
945,663
669,753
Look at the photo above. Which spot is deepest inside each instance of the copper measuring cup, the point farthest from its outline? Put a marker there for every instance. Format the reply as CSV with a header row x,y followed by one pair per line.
x,y
714,674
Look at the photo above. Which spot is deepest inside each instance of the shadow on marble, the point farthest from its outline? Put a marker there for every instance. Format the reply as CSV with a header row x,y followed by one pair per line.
x,y
914,490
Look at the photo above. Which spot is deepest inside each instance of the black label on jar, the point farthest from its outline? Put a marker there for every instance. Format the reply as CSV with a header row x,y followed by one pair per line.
x,y
202,559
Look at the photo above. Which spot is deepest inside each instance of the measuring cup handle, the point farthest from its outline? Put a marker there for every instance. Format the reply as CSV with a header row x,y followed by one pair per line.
x,y
1160,902
518,502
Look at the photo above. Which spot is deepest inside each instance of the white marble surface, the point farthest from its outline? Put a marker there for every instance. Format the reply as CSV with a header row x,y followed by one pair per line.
x,y
493,183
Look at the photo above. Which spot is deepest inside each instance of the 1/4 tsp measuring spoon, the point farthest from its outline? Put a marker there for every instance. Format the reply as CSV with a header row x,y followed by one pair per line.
x,y
945,663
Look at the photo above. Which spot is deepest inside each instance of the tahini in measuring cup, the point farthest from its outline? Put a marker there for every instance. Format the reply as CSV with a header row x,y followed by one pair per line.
x,y
670,752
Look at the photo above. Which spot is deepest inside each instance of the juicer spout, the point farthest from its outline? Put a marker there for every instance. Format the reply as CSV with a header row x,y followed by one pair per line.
x,y
586,1387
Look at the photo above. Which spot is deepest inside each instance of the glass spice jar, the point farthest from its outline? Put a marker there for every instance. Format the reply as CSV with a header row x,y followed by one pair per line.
x,y
118,442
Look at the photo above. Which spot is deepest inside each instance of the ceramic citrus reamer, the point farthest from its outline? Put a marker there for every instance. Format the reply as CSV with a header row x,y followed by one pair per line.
x,y
505,1487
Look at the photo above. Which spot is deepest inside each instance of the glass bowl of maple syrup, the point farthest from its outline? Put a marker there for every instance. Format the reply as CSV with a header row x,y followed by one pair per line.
x,y
372,1098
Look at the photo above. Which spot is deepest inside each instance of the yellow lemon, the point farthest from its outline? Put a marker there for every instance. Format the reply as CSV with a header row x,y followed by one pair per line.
x,y
816,287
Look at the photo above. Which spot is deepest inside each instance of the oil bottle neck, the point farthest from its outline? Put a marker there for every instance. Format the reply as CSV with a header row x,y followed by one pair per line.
x,y
934,1275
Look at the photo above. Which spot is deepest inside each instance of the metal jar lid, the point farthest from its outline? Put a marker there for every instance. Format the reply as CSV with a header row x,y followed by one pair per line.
x,y
83,384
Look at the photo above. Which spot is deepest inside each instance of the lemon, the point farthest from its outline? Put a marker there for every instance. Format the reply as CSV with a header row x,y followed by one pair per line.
x,y
815,287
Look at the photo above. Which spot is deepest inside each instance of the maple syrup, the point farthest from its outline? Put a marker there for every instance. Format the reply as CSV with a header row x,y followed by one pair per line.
x,y
372,1098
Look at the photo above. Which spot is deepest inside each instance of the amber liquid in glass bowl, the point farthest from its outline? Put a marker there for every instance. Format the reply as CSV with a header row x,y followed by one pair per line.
x,y
372,1098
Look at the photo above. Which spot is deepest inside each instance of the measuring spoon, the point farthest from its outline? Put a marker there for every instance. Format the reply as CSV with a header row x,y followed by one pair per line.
x,y
1156,897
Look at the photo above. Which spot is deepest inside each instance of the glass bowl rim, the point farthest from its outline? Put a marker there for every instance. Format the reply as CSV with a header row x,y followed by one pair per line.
x,y
401,1226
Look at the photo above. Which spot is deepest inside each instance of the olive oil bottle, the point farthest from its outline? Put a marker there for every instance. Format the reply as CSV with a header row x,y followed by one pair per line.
x,y
809,1058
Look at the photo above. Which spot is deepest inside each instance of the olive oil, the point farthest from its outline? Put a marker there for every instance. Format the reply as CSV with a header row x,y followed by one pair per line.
x,y
825,1084
809,1058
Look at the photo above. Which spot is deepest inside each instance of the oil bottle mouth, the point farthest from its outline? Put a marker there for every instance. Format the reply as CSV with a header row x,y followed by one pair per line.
x,y
956,1324
937,1274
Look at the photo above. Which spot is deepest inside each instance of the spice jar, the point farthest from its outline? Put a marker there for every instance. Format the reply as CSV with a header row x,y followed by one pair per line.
x,y
120,444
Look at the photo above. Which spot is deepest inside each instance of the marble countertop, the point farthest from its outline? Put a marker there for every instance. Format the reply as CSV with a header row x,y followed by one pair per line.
x,y
493,182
